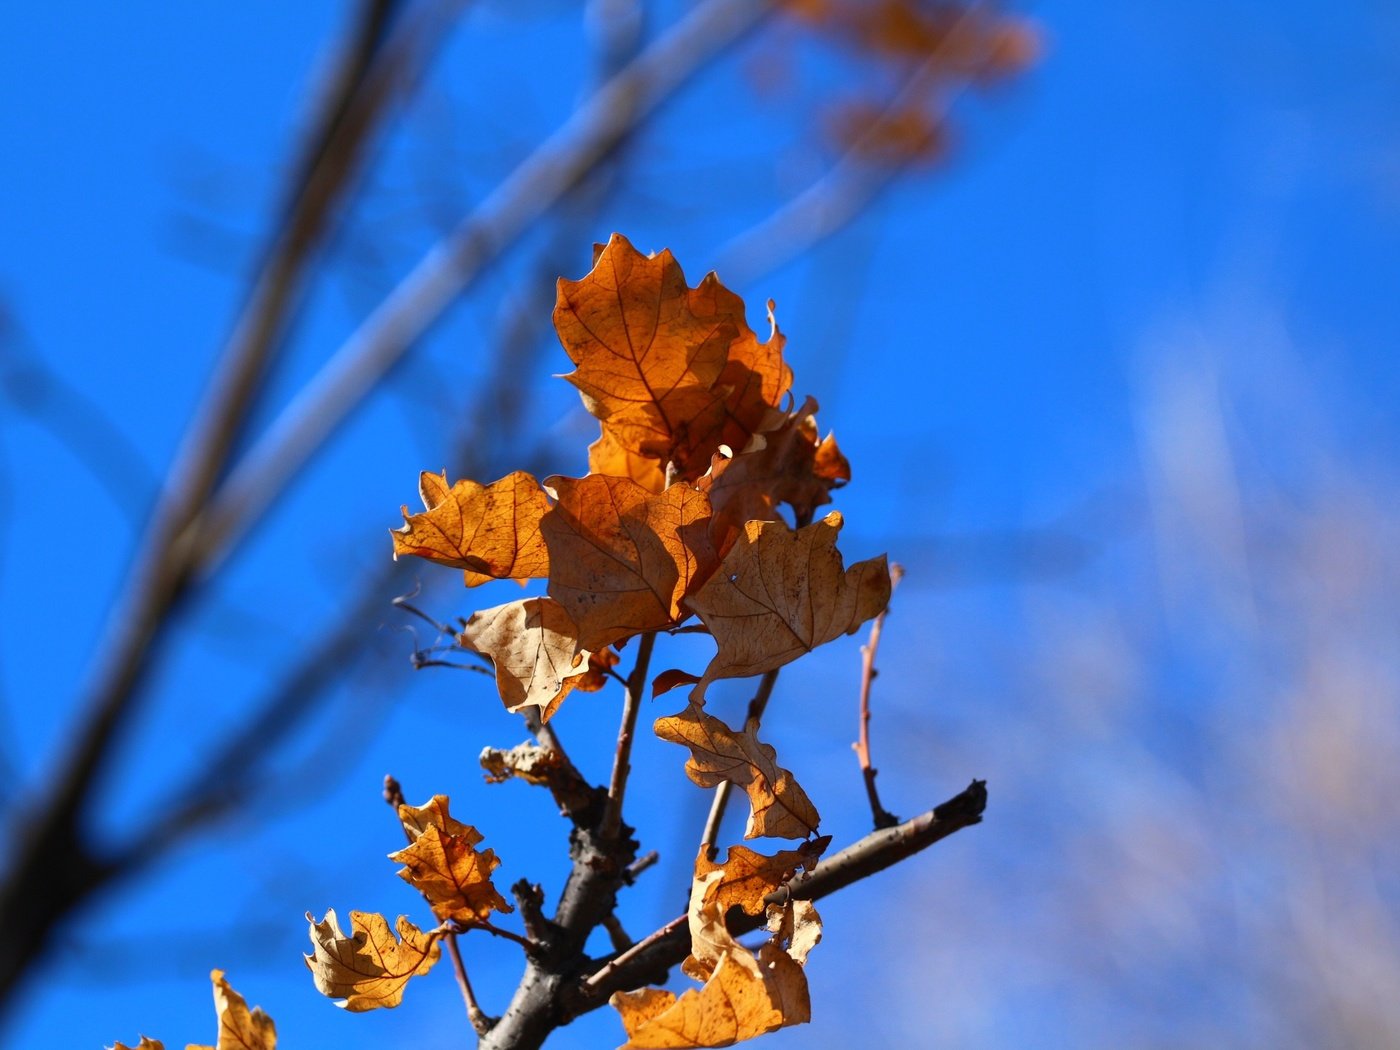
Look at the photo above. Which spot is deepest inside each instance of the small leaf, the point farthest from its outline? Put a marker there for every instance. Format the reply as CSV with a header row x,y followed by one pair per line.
x,y
443,864
491,531
370,968
239,1028
624,557
668,680
778,594
748,877
779,806
146,1043
533,645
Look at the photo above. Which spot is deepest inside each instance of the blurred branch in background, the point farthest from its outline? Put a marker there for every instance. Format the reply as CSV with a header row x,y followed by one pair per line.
x,y
226,478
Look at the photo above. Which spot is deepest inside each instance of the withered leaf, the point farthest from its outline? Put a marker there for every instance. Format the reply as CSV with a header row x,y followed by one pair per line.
x,y
443,864
747,877
780,593
490,531
369,968
743,996
146,1043
779,806
532,643
624,557
788,464
239,1028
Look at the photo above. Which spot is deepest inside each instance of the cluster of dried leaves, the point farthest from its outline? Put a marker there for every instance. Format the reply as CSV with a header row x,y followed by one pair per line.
x,y
678,517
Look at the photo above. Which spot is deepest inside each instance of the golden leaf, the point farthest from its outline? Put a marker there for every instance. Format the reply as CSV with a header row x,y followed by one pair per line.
x,y
747,877
490,531
624,557
443,864
533,645
368,969
779,594
239,1028
779,806
146,1043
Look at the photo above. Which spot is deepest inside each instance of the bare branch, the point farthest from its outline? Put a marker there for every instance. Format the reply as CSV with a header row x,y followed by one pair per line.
x,y
883,818
622,758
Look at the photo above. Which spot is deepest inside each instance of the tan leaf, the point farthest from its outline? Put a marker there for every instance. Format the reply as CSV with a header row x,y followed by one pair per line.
x,y
747,877
239,1028
788,464
532,644
369,968
443,864
490,531
146,1043
623,557
779,593
779,806
797,925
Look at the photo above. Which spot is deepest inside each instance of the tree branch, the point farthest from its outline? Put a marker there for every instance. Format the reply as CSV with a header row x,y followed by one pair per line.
x,y
882,817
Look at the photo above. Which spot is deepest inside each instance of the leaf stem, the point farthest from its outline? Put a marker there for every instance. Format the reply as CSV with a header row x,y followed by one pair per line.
x,y
883,817
622,758
709,838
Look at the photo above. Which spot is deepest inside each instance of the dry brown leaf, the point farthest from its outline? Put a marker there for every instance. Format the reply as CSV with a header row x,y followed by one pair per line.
x,y
668,680
670,371
146,1043
490,531
239,1027
443,864
779,806
747,877
532,644
779,593
743,996
787,464
623,557
369,968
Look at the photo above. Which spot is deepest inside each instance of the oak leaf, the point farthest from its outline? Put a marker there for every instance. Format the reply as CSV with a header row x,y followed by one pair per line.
x,y
746,877
779,807
780,593
490,531
369,968
533,646
146,1043
239,1027
442,862
624,557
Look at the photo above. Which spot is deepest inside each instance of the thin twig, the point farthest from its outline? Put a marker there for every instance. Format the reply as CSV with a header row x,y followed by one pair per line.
x,y
480,1023
616,934
639,865
709,837
651,959
883,817
622,758
611,114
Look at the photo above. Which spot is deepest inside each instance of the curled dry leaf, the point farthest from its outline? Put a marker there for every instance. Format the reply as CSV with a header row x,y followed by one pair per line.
x,y
530,762
742,996
533,645
624,557
779,594
747,877
239,1027
443,864
369,968
146,1043
490,531
779,807
788,464
671,371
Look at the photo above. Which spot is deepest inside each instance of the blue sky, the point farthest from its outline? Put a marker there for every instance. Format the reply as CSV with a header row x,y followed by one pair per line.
x,y
1174,239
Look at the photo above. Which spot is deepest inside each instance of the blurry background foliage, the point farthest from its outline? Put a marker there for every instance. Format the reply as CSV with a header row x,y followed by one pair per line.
x,y
1101,309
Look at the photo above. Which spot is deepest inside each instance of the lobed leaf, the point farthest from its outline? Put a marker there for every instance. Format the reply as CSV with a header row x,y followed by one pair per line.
x,y
442,862
746,877
369,968
624,557
490,531
779,807
533,646
239,1028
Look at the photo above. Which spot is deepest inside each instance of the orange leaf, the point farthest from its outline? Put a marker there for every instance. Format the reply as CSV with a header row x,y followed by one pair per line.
x,y
534,647
146,1043
779,594
779,806
443,864
668,680
491,531
369,968
239,1027
623,558
747,877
